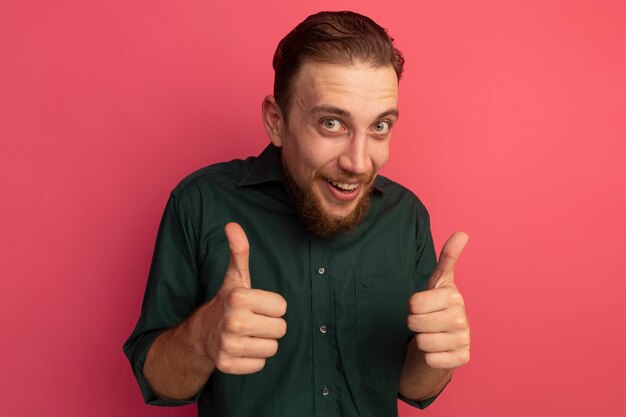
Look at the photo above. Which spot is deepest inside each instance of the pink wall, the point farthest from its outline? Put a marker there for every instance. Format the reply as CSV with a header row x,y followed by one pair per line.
x,y
513,128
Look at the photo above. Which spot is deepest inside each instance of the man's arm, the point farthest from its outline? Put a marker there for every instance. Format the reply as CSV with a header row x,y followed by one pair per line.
x,y
420,381
173,367
235,332
437,316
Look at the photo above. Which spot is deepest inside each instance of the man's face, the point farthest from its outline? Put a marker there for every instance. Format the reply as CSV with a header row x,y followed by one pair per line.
x,y
337,138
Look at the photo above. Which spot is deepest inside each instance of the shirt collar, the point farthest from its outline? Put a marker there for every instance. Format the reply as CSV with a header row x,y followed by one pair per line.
x,y
268,167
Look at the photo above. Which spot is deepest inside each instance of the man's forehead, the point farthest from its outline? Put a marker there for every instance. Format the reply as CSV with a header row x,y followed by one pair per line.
x,y
322,84
343,74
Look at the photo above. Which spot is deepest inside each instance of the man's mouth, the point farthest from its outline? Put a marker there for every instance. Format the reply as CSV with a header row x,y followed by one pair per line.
x,y
342,186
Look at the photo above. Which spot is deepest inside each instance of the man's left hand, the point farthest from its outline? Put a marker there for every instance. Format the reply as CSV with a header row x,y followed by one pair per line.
x,y
437,315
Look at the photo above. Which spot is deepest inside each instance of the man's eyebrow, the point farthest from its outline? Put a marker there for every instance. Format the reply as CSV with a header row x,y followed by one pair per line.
x,y
344,113
390,112
330,109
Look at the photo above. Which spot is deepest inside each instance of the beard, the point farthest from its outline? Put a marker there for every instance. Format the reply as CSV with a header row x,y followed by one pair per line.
x,y
316,219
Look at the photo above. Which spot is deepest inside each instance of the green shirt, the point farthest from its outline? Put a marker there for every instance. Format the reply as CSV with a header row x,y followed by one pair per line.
x,y
346,296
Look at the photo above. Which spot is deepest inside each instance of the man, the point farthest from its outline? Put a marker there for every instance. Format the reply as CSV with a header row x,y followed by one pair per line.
x,y
301,283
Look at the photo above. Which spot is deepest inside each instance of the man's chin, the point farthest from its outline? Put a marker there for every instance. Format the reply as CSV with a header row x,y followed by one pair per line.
x,y
325,222
327,225
338,214
329,222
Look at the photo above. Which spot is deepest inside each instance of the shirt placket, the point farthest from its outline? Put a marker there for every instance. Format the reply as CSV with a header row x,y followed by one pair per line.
x,y
324,356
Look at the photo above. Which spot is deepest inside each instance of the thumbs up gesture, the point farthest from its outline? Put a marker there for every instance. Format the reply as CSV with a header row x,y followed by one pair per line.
x,y
240,324
437,315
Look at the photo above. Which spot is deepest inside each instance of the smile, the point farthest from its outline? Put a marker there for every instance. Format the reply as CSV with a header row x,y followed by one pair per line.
x,y
343,187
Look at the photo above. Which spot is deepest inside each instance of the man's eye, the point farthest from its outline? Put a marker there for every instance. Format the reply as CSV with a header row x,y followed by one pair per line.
x,y
333,125
381,127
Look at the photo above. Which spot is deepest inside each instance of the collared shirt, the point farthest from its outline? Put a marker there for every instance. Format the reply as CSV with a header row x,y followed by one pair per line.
x,y
346,296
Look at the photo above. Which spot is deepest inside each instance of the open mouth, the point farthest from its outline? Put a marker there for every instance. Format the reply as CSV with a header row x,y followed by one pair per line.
x,y
342,186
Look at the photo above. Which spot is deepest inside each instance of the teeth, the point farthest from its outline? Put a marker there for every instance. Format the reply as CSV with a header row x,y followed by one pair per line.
x,y
345,187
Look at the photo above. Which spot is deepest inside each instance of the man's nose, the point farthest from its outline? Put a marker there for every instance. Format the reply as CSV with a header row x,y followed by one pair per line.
x,y
354,158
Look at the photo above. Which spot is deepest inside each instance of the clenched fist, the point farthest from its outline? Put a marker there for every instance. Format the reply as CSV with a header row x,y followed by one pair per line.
x,y
437,315
240,327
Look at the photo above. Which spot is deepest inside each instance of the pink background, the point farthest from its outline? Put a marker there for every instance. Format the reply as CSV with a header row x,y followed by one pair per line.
x,y
513,129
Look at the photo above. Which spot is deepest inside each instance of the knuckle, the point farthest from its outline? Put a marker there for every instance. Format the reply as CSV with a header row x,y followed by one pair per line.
x,y
432,360
236,298
272,348
219,342
282,328
225,364
460,323
227,345
421,341
465,339
456,299
260,365
234,325
463,357
282,306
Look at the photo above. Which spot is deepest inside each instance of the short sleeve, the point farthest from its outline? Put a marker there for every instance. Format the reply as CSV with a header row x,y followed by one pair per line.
x,y
172,292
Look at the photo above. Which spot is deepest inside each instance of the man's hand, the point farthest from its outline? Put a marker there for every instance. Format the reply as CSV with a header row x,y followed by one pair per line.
x,y
235,332
238,329
437,315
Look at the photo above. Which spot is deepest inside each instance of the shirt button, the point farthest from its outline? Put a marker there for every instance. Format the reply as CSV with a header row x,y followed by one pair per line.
x,y
325,390
321,270
323,329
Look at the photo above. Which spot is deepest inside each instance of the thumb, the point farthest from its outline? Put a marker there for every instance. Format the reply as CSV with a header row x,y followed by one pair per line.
x,y
452,249
238,272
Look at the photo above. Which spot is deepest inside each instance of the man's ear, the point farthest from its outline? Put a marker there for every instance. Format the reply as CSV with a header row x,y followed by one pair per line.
x,y
273,121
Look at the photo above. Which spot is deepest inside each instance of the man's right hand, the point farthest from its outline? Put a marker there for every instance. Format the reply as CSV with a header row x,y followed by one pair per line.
x,y
238,329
